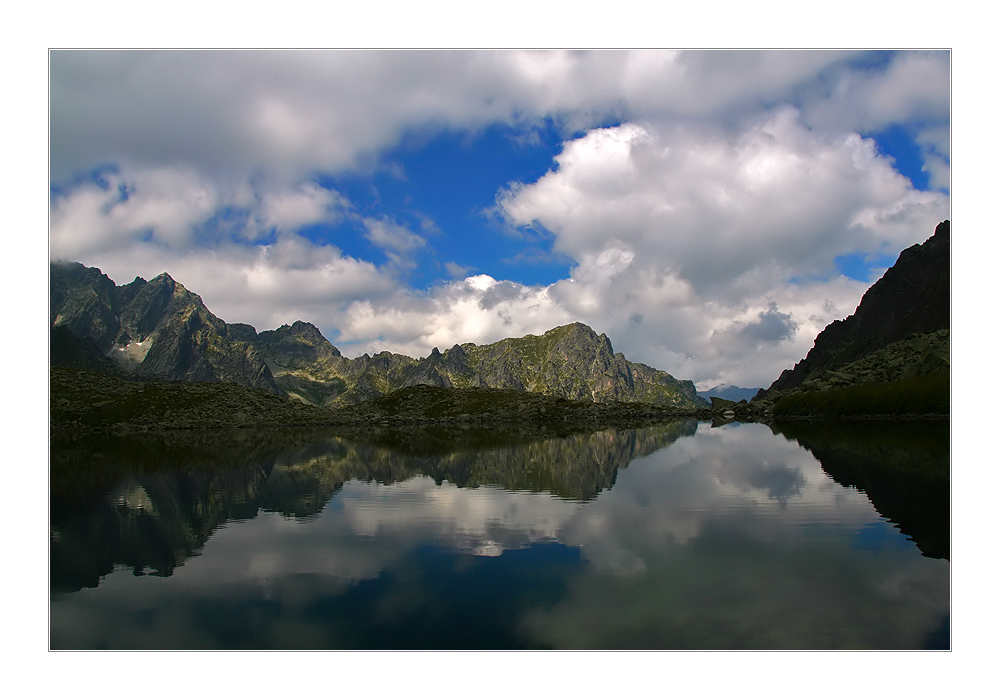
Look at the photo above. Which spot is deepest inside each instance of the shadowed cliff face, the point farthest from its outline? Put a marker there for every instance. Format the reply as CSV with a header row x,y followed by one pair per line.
x,y
912,299
86,302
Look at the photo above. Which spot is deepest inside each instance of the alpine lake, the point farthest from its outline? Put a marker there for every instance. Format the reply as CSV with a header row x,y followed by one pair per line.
x,y
684,535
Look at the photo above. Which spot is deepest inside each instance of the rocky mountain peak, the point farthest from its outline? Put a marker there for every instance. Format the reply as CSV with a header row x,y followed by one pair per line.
x,y
241,331
295,346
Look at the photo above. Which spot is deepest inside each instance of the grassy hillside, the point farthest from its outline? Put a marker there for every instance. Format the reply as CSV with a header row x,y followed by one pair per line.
x,y
81,400
929,395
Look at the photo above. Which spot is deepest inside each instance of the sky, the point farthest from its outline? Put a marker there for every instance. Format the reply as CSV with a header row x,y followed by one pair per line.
x,y
710,211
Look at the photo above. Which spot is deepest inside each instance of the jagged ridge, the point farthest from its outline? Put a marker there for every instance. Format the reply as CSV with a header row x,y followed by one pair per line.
x,y
571,362
160,329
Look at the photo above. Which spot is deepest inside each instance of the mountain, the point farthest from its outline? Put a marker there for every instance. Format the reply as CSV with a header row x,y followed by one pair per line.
x,y
159,329
899,332
155,329
729,392
571,362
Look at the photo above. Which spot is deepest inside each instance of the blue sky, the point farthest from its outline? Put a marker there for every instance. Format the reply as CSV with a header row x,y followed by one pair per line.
x,y
711,211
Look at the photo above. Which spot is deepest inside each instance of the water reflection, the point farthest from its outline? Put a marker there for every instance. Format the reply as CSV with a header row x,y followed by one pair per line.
x,y
903,467
673,536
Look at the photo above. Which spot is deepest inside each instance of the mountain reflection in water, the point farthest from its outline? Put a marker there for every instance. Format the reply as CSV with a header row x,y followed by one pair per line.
x,y
675,536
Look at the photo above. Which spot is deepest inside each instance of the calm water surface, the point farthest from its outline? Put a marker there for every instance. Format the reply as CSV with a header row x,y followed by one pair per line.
x,y
680,536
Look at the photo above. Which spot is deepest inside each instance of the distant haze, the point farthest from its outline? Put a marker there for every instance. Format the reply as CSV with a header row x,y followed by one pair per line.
x,y
726,391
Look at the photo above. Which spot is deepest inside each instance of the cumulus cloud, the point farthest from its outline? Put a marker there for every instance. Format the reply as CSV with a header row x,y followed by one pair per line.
x,y
723,209
171,207
935,146
702,231
739,338
160,205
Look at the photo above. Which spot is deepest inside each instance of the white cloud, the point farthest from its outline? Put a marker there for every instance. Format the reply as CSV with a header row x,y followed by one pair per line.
x,y
935,146
169,206
160,204
692,240
395,240
724,210
291,209
456,270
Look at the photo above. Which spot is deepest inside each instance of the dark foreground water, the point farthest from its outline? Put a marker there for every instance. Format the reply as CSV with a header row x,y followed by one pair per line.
x,y
680,536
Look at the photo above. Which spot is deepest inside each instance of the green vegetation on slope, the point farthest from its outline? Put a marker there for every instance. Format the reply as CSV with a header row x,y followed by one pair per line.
x,y
424,404
81,400
928,395
85,401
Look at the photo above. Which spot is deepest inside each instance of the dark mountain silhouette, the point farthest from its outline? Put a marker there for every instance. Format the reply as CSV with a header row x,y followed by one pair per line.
x,y
899,331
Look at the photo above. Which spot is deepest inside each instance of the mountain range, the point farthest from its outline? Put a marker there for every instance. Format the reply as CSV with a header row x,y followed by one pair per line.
x,y
894,350
158,329
729,392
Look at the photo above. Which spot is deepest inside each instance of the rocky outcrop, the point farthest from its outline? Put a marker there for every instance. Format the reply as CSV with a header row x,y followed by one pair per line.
x,y
304,364
900,329
570,361
298,346
919,355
